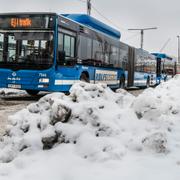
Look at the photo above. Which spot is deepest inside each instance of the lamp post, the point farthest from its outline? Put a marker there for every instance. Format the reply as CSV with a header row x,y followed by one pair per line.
x,y
142,33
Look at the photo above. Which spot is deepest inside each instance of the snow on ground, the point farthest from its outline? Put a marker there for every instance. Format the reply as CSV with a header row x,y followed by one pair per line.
x,y
12,106
8,108
95,133
5,91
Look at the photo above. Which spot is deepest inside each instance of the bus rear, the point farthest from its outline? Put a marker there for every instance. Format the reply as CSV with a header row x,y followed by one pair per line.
x,y
27,55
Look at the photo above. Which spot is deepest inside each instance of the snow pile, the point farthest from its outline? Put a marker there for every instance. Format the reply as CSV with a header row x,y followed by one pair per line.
x,y
116,135
90,123
163,101
161,108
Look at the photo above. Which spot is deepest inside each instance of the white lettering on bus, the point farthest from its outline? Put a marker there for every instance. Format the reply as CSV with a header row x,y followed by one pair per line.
x,y
105,75
42,75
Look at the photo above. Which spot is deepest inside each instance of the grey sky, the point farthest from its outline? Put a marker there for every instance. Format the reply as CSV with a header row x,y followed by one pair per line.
x,y
123,13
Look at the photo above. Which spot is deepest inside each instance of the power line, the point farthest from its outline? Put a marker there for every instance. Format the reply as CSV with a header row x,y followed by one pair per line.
x,y
165,44
132,36
111,22
107,19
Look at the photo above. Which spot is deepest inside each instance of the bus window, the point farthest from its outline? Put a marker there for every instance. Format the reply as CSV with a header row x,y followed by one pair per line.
x,y
12,48
85,49
27,48
123,57
66,45
72,47
114,56
98,52
106,53
60,42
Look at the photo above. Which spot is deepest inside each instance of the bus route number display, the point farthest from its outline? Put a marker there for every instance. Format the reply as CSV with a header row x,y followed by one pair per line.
x,y
20,22
26,21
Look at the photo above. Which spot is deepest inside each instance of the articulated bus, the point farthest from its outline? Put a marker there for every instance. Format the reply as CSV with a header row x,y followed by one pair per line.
x,y
50,52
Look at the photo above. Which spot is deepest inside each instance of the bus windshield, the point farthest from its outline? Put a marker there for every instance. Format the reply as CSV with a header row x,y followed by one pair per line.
x,y
26,49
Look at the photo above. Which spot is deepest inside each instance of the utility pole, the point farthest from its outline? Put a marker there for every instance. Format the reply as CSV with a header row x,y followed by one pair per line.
x,y
178,58
89,7
178,51
142,33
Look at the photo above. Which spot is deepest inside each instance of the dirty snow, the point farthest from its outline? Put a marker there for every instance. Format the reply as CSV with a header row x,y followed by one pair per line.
x,y
95,133
11,101
6,91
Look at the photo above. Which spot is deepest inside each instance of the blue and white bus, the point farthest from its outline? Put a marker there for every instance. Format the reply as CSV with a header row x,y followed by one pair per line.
x,y
165,68
50,52
141,68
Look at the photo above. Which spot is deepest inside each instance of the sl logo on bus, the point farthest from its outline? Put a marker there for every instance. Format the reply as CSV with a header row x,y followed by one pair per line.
x,y
14,74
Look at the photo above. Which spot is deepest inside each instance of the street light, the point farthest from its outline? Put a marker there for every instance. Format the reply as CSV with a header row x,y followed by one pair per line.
x,y
142,33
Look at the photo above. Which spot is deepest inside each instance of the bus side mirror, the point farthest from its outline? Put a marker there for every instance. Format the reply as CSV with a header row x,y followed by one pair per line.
x,y
61,57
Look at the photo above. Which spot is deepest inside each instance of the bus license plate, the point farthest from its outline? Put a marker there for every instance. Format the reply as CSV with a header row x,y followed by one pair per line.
x,y
14,86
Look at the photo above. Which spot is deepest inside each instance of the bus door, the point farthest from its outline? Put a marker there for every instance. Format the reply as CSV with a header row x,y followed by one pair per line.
x,y
131,62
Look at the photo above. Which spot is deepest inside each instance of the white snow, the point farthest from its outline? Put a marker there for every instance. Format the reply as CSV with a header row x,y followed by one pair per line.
x,y
95,133
6,91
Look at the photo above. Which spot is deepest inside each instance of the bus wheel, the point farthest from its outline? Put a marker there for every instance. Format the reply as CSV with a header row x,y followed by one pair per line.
x,y
84,78
32,92
122,82
148,82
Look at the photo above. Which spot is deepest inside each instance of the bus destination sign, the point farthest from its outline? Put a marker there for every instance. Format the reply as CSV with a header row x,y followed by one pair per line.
x,y
20,22
26,22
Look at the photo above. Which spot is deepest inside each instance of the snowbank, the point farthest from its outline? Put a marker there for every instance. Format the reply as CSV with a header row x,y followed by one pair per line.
x,y
95,133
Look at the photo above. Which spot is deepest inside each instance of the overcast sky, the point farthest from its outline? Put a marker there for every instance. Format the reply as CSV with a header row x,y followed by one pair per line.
x,y
164,14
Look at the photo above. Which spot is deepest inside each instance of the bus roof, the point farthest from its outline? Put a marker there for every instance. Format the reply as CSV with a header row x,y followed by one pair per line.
x,y
83,19
162,56
93,23
27,13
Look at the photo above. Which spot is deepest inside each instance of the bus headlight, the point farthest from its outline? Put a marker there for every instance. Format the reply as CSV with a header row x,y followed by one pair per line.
x,y
44,80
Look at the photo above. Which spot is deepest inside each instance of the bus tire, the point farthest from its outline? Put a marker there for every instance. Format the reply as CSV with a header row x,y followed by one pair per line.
x,y
84,77
148,82
122,82
32,92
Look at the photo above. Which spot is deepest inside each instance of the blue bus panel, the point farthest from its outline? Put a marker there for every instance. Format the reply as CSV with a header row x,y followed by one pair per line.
x,y
60,79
